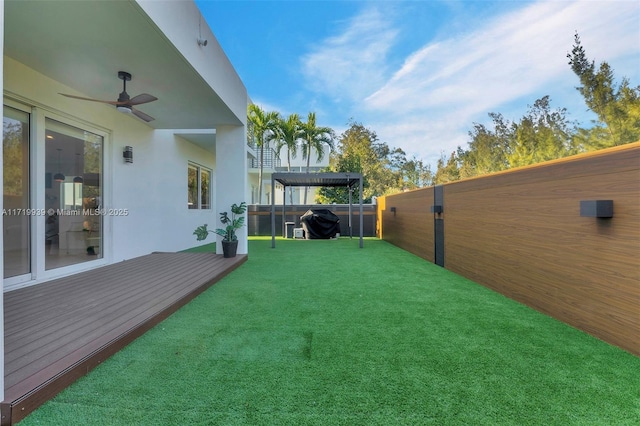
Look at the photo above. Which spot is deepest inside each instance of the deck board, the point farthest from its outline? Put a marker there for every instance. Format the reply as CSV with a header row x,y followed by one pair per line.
x,y
57,331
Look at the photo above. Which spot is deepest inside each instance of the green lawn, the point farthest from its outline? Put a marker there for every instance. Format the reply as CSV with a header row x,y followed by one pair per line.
x,y
324,333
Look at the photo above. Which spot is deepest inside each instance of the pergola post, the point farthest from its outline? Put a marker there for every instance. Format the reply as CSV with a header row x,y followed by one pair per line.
x,y
350,212
284,210
361,213
273,215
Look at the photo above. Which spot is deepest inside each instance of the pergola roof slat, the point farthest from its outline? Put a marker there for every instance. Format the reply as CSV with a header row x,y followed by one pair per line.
x,y
317,179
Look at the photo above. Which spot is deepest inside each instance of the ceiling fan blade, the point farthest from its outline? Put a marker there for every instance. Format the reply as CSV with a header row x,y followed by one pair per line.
x,y
93,100
142,115
142,99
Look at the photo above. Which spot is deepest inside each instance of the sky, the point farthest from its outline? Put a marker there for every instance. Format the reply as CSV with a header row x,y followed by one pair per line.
x,y
421,73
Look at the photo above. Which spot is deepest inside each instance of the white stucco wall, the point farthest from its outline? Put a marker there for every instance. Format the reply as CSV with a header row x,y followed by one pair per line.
x,y
232,181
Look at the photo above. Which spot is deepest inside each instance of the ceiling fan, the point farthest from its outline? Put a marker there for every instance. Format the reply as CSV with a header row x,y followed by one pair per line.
x,y
125,103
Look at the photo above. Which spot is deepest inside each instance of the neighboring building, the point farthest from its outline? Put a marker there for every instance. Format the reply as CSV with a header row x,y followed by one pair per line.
x,y
71,200
274,163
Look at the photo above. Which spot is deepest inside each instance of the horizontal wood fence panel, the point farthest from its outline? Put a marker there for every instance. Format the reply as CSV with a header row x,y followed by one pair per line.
x,y
520,233
259,218
411,225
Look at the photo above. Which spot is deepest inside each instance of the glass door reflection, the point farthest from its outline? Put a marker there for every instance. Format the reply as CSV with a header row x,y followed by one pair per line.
x,y
15,191
73,193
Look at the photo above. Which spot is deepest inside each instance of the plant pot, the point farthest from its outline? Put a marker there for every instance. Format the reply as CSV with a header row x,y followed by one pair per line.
x,y
229,248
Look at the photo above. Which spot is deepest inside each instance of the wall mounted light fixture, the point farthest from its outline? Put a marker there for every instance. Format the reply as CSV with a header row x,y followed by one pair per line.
x,y
436,209
596,208
393,210
127,154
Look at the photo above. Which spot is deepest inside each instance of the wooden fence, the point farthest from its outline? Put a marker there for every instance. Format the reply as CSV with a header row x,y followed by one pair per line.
x,y
521,233
259,218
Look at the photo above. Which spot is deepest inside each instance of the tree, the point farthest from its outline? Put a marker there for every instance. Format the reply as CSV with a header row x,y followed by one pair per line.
x,y
314,138
13,153
488,148
416,174
447,170
340,194
289,134
617,107
541,135
263,128
359,151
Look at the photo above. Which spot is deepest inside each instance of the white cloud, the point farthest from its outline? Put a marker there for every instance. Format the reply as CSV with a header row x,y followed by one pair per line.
x,y
429,104
352,64
266,106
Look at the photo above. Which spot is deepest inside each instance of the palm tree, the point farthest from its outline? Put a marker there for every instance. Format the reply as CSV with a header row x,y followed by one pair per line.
x,y
263,127
289,134
314,137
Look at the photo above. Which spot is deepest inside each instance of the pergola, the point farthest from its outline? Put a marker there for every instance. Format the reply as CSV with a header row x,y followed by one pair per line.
x,y
348,180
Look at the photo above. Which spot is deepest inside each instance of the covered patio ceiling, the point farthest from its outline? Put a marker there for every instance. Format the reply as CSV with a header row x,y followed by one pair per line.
x,y
83,44
348,180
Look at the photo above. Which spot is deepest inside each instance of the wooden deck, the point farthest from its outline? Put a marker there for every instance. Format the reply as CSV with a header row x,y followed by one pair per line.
x,y
58,331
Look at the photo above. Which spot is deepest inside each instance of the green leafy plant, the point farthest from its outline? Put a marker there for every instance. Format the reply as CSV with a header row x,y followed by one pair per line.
x,y
233,223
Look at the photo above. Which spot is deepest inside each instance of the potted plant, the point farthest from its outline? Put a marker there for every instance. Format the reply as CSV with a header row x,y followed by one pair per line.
x,y
228,233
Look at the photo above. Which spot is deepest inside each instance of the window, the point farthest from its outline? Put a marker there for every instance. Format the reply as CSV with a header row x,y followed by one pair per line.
x,y
198,187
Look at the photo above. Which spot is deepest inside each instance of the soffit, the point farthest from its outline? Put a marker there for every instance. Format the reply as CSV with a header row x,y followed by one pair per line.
x,y
83,44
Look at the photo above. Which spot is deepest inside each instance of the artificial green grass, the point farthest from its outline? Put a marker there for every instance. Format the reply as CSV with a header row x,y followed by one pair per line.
x,y
324,333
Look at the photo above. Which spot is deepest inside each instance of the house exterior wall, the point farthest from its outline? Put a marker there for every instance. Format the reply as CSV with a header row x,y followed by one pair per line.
x,y
176,19
153,189
232,172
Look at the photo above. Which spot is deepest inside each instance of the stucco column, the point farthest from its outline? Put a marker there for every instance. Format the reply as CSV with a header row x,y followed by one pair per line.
x,y
230,177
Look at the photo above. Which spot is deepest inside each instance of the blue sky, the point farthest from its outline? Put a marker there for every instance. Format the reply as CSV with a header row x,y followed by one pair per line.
x,y
420,73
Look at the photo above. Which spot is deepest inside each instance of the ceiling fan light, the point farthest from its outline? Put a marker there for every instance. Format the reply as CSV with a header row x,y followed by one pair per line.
x,y
124,109
58,177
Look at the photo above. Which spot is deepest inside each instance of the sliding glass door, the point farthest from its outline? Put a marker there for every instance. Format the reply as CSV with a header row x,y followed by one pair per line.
x,y
73,194
53,213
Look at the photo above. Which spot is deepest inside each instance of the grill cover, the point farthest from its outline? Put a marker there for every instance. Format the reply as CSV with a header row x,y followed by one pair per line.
x,y
319,224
